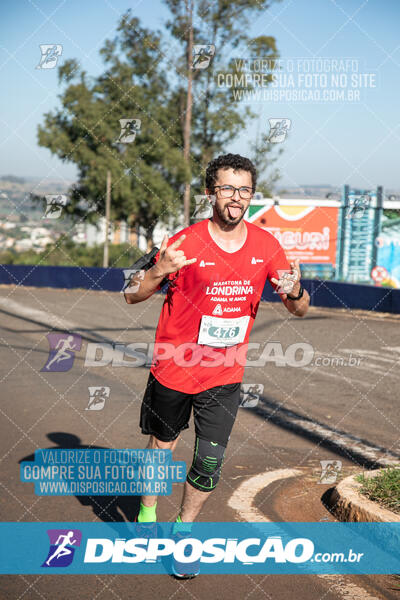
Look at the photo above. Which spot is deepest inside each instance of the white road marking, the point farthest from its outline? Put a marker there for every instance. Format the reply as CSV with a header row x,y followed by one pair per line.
x,y
347,441
242,501
373,354
371,359
48,318
242,498
335,375
353,443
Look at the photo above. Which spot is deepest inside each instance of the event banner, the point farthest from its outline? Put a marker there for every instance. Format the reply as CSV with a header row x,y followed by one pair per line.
x,y
388,258
246,548
304,230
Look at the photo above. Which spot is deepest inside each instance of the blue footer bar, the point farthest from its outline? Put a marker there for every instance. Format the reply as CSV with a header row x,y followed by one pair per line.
x,y
218,547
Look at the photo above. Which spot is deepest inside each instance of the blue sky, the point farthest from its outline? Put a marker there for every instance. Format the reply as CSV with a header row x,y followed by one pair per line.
x,y
335,142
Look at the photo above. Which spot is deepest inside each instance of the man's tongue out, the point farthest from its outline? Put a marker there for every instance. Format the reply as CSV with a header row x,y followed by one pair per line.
x,y
234,211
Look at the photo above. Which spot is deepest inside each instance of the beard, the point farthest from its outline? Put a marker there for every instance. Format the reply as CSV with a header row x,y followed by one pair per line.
x,y
225,216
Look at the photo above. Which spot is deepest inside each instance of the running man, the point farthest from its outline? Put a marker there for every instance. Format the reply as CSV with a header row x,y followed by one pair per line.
x,y
217,269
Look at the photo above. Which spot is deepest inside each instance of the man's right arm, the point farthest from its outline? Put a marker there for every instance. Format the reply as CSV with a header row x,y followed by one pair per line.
x,y
171,260
147,286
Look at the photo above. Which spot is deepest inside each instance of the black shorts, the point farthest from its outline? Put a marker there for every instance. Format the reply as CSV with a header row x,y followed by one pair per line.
x,y
166,412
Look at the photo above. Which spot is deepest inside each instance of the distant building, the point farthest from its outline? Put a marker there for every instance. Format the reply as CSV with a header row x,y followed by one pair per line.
x,y
23,245
120,233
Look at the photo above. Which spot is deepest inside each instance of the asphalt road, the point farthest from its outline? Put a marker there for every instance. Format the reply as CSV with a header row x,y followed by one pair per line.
x,y
342,405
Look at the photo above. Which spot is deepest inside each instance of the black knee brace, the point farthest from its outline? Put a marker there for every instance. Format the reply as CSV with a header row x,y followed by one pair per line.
x,y
206,466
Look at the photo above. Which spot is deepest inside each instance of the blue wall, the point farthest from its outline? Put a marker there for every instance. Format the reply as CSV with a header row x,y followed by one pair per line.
x,y
334,294
93,278
331,294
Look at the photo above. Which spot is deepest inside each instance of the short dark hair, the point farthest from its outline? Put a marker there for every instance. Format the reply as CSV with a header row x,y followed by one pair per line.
x,y
229,161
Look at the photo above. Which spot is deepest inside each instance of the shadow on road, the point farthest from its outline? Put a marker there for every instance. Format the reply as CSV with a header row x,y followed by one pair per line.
x,y
285,418
88,334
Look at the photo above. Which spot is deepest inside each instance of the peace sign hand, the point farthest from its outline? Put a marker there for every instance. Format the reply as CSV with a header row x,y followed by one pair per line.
x,y
171,259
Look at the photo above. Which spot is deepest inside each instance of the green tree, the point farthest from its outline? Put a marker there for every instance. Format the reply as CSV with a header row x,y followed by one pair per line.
x,y
186,118
217,115
65,252
147,173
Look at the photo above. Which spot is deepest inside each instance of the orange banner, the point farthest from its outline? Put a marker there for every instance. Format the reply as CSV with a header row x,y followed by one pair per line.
x,y
305,232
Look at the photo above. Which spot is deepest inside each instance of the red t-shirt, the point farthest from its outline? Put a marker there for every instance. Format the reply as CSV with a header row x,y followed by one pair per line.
x,y
201,298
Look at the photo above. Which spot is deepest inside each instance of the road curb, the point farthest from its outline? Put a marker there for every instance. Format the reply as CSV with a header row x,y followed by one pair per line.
x,y
349,505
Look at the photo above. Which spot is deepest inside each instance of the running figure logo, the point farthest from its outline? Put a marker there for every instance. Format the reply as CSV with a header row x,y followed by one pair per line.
x,y
286,281
132,279
54,206
97,397
202,55
329,470
250,394
50,54
62,550
358,206
278,129
62,351
203,206
129,129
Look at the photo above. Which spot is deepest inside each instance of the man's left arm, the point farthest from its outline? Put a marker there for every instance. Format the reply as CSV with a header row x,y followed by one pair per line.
x,y
293,295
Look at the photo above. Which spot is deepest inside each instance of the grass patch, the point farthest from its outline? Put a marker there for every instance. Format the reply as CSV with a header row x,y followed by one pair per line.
x,y
384,488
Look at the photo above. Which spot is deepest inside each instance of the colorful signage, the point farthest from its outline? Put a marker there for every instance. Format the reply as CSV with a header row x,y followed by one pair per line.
x,y
304,229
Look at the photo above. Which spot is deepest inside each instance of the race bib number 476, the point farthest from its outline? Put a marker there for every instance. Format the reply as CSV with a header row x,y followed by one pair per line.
x,y
218,332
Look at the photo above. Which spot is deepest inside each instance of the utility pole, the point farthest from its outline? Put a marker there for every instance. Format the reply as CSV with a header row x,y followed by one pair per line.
x,y
188,114
108,201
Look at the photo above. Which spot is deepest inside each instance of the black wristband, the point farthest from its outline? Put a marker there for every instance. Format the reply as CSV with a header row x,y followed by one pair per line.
x,y
300,294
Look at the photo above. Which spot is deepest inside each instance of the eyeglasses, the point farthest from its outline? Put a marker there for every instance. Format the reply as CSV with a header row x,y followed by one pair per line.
x,y
228,191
